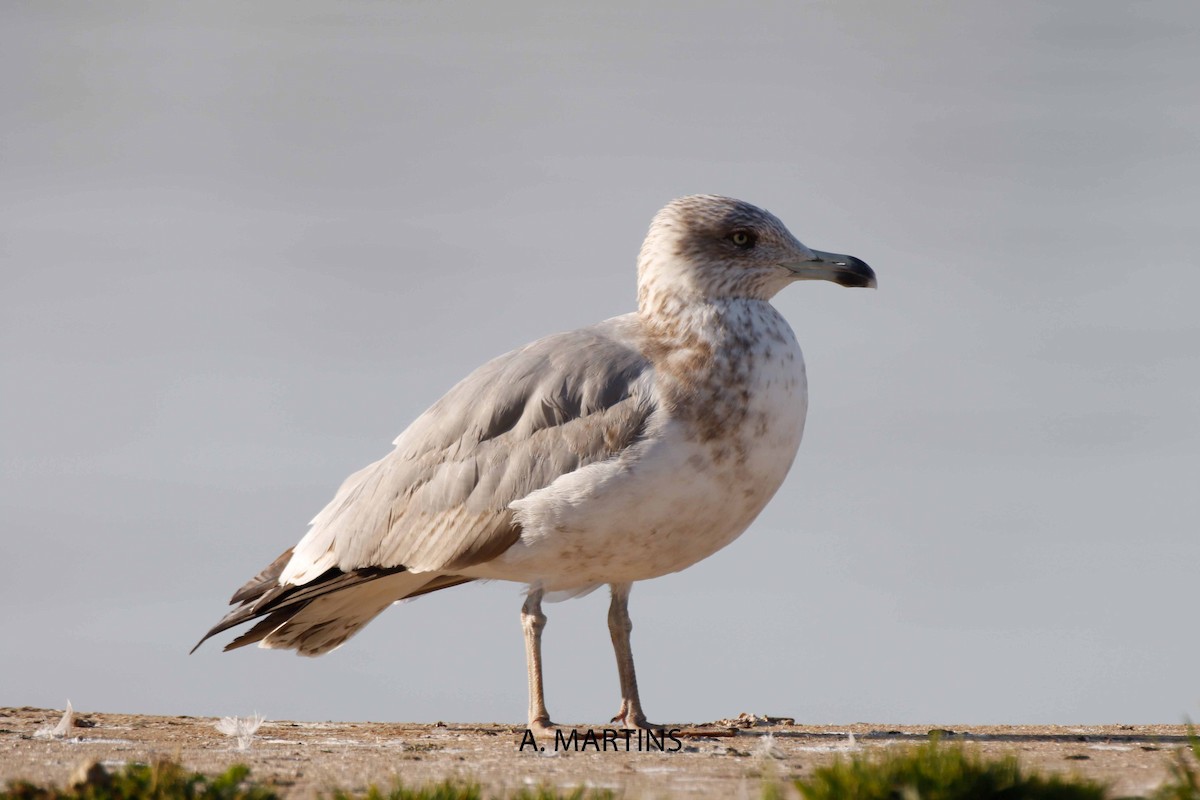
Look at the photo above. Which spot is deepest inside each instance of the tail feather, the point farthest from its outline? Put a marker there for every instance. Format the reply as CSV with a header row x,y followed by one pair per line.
x,y
320,615
264,627
267,579
325,623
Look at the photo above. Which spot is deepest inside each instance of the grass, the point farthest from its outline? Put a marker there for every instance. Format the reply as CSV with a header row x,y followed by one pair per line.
x,y
163,780
935,772
167,780
1185,775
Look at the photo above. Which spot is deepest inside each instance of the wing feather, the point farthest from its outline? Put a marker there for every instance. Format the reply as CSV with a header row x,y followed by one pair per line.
x,y
440,500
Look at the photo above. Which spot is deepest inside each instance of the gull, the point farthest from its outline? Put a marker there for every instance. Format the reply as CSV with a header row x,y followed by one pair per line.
x,y
611,454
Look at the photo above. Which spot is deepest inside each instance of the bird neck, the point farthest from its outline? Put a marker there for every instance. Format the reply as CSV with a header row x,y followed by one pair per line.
x,y
683,320
663,294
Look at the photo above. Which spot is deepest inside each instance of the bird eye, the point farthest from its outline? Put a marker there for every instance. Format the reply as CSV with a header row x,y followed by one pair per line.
x,y
742,239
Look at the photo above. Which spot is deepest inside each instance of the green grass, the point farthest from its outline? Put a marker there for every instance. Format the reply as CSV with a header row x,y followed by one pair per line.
x,y
935,772
1185,774
166,780
163,780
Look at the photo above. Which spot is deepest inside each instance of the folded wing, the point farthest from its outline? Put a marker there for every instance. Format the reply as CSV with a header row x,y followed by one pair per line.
x,y
439,502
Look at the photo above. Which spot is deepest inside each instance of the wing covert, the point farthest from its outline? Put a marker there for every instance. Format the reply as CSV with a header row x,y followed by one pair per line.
x,y
439,501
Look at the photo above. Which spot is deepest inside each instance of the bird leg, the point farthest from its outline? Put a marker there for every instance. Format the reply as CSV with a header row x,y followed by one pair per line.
x,y
619,627
532,621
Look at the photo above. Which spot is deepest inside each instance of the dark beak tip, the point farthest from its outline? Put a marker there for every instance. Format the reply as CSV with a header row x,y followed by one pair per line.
x,y
858,275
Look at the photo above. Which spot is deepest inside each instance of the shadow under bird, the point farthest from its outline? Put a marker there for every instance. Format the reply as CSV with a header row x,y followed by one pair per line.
x,y
606,455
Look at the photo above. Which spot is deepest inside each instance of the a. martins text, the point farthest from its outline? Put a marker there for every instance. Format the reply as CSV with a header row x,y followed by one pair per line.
x,y
608,740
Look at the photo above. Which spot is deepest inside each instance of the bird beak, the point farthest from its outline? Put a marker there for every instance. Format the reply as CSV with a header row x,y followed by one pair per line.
x,y
842,270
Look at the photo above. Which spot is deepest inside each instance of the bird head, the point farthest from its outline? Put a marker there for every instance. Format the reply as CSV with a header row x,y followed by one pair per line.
x,y
705,247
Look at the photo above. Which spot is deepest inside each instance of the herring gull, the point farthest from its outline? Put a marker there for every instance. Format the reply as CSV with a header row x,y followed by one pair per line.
x,y
610,454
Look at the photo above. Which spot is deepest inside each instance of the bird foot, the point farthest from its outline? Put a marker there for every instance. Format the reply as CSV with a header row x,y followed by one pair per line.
x,y
634,720
543,726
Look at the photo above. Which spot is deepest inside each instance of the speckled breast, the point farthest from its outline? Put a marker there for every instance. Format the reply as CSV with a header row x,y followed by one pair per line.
x,y
713,458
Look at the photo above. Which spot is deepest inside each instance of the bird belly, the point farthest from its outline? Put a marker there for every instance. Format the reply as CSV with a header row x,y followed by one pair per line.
x,y
668,502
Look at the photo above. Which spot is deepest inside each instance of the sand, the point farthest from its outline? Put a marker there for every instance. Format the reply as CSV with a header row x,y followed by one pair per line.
x,y
724,758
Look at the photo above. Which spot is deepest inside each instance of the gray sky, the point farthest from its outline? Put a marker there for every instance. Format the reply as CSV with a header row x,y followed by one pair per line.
x,y
243,245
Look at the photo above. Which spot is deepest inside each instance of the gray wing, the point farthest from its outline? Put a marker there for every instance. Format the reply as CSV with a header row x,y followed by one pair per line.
x,y
439,501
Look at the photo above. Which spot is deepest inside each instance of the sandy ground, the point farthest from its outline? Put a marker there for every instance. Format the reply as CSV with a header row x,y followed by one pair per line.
x,y
725,758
